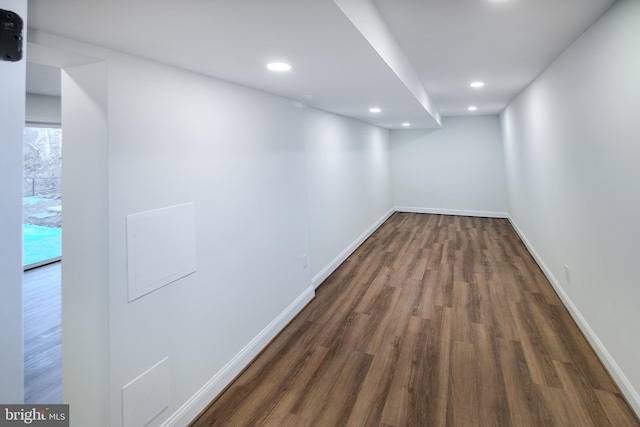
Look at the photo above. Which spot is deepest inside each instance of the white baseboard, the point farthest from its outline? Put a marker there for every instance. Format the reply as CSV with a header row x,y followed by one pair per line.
x,y
458,212
621,380
335,263
204,396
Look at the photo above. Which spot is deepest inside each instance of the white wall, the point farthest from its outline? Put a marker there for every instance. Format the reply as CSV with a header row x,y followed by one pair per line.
x,y
12,88
43,109
573,166
240,156
456,169
348,174
85,278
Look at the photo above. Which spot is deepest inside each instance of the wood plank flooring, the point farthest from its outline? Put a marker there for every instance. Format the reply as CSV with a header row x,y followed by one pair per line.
x,y
434,321
42,335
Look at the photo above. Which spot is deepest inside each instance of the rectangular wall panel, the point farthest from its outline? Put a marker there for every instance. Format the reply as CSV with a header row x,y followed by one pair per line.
x,y
161,248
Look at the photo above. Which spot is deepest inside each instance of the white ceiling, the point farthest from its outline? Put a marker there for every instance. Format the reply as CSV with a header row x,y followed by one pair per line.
x,y
43,79
448,44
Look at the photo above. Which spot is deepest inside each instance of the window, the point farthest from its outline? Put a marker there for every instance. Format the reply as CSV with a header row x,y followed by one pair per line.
x,y
42,198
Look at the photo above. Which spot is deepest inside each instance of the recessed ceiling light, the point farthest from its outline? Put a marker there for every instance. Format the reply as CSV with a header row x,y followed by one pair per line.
x,y
477,84
406,124
279,66
473,108
374,110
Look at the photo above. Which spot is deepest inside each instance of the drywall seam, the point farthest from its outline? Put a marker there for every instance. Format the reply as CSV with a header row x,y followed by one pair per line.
x,y
193,406
457,212
621,380
337,261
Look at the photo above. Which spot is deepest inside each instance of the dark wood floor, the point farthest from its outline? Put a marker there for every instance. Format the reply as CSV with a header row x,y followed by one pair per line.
x,y
42,335
433,321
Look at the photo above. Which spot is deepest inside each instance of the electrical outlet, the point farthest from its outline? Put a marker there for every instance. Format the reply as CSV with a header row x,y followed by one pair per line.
x,y
567,274
305,261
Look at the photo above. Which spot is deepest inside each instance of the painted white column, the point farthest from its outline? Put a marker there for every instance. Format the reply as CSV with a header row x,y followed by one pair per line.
x,y
12,87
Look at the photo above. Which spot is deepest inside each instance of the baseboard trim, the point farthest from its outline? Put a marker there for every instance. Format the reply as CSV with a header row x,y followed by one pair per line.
x,y
337,261
457,212
627,389
199,401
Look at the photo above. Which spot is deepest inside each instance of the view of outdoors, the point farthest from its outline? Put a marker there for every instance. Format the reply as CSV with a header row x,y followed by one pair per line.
x,y
42,203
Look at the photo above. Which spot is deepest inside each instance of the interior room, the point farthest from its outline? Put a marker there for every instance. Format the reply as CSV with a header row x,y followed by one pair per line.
x,y
222,159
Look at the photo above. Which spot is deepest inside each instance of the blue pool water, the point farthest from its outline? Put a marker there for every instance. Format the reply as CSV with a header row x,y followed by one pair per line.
x,y
28,200
40,243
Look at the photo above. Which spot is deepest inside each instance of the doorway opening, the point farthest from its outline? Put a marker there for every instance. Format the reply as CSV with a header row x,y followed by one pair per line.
x,y
42,236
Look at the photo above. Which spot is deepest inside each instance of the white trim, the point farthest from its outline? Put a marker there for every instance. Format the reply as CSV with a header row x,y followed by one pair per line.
x,y
42,263
337,261
43,124
629,392
457,212
203,397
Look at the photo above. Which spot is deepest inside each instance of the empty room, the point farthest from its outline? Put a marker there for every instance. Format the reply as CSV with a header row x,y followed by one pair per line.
x,y
334,212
